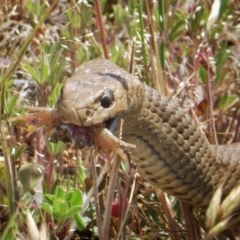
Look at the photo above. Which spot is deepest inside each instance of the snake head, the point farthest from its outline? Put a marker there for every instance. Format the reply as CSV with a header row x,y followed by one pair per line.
x,y
93,101
99,92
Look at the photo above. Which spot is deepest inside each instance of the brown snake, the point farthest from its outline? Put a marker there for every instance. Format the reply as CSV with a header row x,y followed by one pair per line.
x,y
173,154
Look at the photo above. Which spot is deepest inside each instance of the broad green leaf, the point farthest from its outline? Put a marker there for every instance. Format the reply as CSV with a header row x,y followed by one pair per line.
x,y
50,198
76,198
68,196
60,193
55,148
47,207
72,211
79,222
60,207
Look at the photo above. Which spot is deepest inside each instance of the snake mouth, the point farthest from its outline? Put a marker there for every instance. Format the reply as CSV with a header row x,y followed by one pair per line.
x,y
112,123
81,136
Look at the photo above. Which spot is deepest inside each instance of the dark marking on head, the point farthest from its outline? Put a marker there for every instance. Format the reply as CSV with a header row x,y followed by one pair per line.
x,y
117,77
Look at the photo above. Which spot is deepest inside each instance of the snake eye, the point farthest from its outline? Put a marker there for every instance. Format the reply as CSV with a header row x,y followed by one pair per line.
x,y
107,98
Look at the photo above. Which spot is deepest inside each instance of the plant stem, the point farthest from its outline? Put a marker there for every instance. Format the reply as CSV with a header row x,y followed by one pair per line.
x,y
110,194
140,10
102,30
8,169
162,25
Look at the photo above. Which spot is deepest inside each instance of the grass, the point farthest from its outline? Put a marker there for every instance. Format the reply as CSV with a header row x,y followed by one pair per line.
x,y
186,50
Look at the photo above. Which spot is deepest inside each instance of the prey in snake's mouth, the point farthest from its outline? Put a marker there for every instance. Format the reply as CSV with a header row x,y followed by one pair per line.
x,y
66,133
96,136
82,136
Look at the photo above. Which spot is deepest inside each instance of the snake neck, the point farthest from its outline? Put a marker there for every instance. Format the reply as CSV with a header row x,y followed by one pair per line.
x,y
172,153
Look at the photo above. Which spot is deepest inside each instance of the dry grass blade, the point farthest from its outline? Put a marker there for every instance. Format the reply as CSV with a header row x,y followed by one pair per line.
x,y
44,233
213,14
217,229
128,206
230,203
169,213
218,215
213,208
110,194
191,223
32,228
96,194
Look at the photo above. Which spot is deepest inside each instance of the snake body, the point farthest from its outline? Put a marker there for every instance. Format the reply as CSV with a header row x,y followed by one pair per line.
x,y
172,153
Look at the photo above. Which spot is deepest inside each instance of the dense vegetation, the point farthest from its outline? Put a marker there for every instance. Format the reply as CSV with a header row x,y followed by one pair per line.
x,y
187,50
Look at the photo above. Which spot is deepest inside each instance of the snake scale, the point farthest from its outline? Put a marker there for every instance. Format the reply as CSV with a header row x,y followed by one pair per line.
x,y
172,153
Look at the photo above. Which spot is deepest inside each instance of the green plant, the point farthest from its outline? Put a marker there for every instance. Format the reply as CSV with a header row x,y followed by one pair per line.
x,y
63,206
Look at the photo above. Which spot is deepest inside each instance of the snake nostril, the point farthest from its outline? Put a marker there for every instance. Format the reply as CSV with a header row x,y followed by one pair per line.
x,y
88,112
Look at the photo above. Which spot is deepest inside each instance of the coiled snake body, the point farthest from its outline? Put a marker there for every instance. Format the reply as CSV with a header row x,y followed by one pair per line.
x,y
172,153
